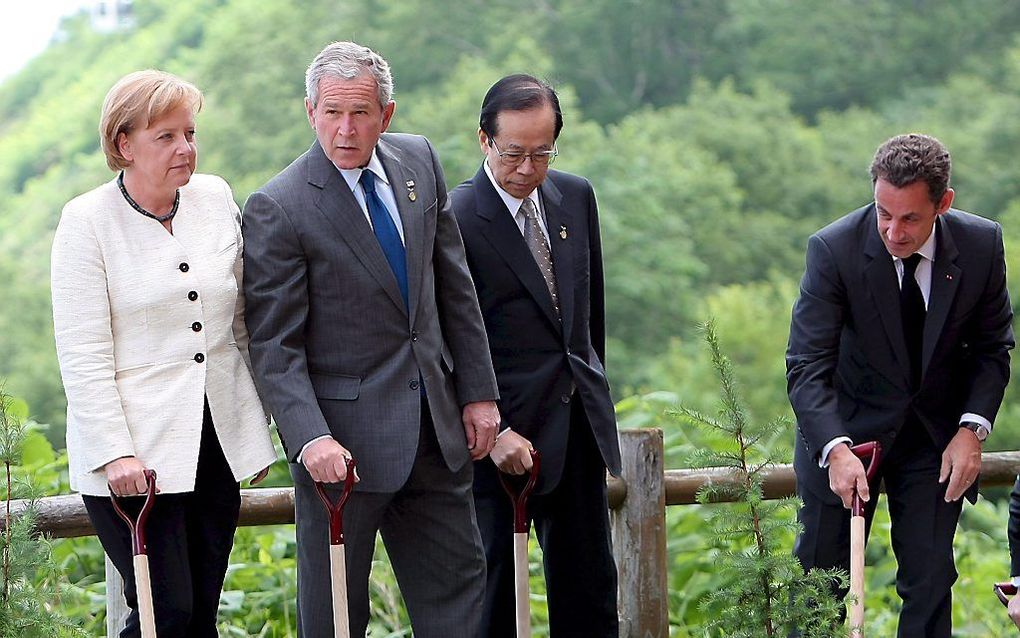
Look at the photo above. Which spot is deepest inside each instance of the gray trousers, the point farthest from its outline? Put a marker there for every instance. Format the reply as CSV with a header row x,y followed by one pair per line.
x,y
430,534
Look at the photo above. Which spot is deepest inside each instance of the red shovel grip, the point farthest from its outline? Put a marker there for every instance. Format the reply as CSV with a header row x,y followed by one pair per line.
x,y
1003,591
137,526
336,510
871,450
520,499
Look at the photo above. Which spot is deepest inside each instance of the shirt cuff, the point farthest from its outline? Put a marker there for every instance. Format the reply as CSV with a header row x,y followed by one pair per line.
x,y
502,432
823,459
305,446
970,417
1016,581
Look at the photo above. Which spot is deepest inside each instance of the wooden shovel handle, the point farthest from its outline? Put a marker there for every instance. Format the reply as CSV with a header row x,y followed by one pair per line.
x,y
138,526
871,450
520,499
1003,591
143,591
336,510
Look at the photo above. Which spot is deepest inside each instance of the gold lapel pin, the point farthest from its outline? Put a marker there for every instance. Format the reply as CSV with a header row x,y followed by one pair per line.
x,y
410,190
563,231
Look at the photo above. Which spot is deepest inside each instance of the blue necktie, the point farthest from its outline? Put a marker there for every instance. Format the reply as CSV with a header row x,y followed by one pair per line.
x,y
386,232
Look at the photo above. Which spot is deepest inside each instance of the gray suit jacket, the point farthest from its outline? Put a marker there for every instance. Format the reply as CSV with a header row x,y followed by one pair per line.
x,y
847,363
333,347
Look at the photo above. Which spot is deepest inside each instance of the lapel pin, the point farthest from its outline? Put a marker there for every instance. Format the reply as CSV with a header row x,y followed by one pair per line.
x,y
949,277
563,231
410,190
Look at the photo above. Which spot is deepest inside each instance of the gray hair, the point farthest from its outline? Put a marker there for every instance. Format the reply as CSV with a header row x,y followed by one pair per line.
x,y
348,60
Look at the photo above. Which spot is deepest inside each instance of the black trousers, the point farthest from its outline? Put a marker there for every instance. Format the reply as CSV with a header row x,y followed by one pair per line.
x,y
923,526
189,537
572,526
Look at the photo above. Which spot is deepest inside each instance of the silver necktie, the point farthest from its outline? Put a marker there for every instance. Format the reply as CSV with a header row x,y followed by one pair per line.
x,y
539,247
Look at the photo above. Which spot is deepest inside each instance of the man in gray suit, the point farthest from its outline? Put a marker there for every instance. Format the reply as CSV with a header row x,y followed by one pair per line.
x,y
367,340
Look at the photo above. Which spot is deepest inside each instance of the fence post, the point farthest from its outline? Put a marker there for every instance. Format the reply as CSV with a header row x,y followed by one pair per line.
x,y
639,537
116,607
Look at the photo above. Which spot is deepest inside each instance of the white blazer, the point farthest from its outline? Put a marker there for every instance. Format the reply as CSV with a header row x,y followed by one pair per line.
x,y
147,324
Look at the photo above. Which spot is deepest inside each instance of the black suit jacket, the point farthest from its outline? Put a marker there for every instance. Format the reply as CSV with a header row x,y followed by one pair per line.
x,y
847,362
539,360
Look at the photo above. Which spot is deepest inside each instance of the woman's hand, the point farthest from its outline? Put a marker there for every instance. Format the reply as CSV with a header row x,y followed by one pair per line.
x,y
258,478
126,476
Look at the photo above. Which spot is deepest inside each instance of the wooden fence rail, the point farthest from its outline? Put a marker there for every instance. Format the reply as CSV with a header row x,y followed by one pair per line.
x,y
638,500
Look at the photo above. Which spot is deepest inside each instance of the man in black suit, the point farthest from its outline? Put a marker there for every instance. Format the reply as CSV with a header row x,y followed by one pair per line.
x,y
533,247
920,366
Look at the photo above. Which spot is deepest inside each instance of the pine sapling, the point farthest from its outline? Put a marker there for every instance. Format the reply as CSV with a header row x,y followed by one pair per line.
x,y
769,594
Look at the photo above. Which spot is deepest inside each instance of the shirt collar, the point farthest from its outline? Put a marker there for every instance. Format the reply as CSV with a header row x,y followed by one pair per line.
x,y
927,249
353,175
513,204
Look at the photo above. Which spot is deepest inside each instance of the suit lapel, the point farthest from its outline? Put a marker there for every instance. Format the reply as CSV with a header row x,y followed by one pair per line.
x,y
558,219
880,273
412,217
501,231
945,279
342,212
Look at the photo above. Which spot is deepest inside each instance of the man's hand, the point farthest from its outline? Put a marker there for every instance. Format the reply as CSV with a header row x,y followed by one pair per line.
x,y
512,453
126,476
961,463
481,423
326,461
846,473
1014,610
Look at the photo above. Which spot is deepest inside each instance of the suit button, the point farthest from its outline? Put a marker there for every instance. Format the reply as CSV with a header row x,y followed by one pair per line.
x,y
565,398
197,326
413,384
192,296
199,358
184,266
414,335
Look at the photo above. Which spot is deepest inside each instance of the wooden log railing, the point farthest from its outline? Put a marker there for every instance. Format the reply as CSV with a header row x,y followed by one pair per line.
x,y
637,499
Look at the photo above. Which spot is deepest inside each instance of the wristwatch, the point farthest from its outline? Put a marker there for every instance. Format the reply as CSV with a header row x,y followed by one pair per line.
x,y
980,431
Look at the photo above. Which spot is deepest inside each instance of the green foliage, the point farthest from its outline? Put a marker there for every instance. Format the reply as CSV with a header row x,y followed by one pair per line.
x,y
769,594
28,576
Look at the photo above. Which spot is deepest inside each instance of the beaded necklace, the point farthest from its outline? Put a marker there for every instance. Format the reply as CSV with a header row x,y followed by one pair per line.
x,y
160,218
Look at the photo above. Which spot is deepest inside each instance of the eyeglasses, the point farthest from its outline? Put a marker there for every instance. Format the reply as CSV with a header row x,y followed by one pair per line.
x,y
516,158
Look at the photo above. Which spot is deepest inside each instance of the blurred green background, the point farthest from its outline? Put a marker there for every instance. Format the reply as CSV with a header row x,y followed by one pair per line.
x,y
718,134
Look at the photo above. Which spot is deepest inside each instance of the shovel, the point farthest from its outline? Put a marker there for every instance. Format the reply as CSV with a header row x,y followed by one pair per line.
x,y
143,583
863,451
337,555
1003,591
522,526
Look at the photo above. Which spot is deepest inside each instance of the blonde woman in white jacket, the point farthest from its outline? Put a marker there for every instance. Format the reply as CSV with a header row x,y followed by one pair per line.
x,y
149,321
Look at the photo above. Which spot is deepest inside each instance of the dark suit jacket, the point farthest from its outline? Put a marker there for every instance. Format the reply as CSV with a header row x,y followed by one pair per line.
x,y
847,363
333,347
538,360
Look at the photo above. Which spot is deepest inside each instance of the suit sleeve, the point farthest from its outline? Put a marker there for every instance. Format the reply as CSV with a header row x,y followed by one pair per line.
x,y
276,309
84,337
459,314
596,280
813,350
990,340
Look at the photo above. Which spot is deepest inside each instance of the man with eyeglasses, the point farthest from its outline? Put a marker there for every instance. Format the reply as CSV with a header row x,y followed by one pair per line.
x,y
533,247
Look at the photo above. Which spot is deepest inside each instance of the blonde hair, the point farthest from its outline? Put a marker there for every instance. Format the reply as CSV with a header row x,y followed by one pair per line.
x,y
138,99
